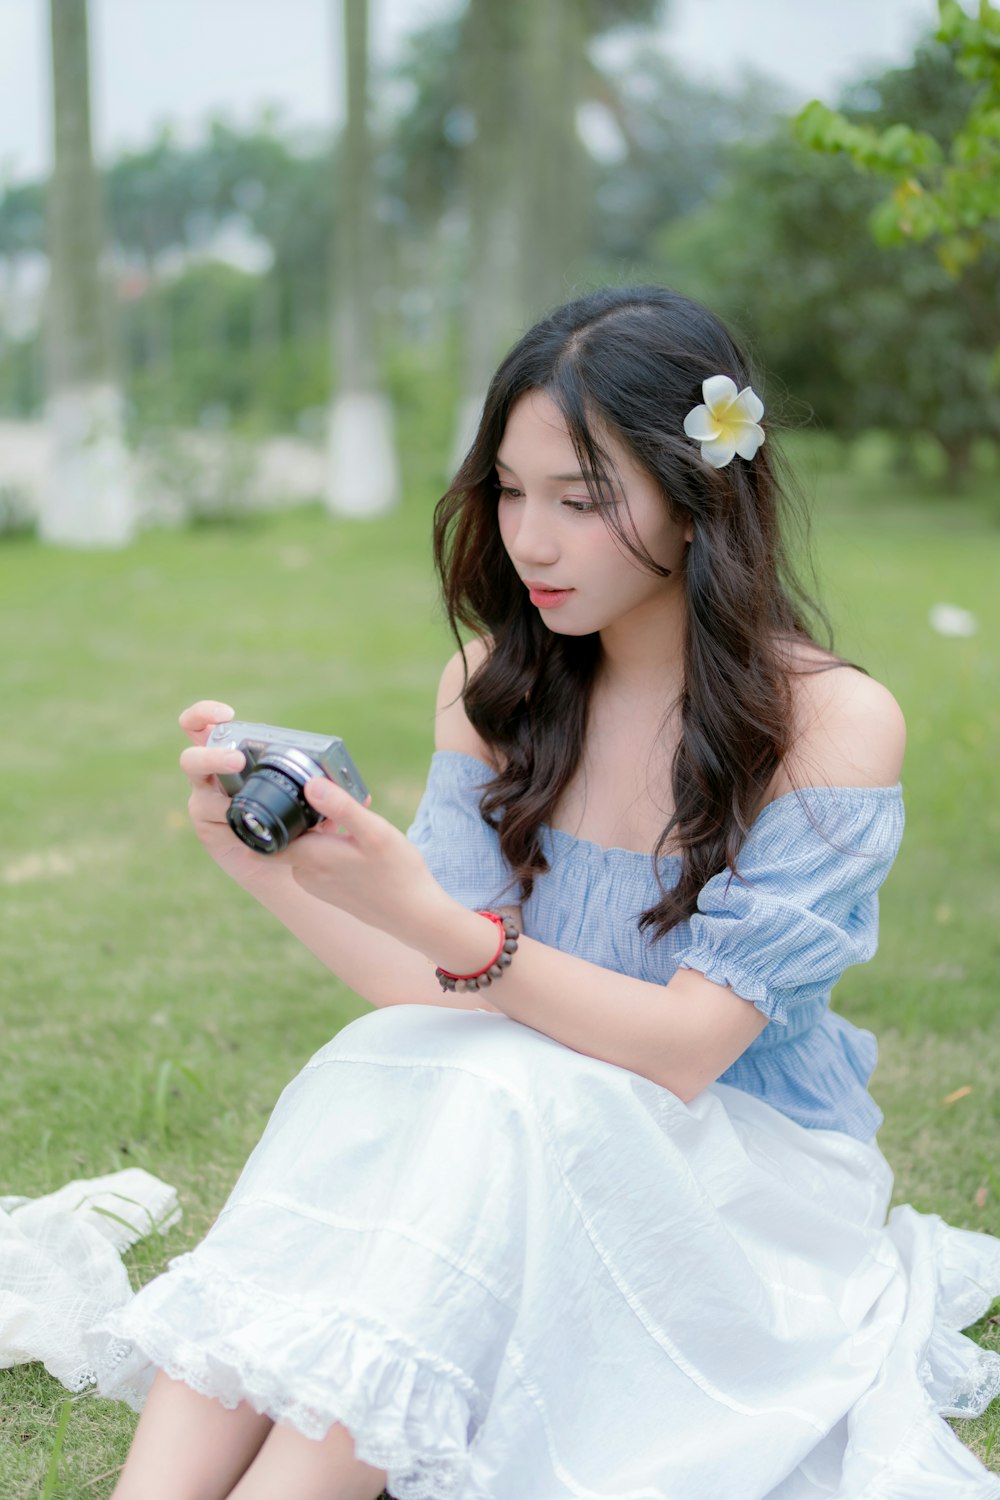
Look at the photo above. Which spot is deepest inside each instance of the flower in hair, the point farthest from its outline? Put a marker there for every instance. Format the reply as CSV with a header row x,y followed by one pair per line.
x,y
727,423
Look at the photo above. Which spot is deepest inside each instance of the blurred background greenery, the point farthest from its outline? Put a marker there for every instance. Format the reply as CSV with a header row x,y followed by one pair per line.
x,y
230,287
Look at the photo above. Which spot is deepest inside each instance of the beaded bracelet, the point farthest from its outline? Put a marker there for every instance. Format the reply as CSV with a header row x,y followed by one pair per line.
x,y
494,969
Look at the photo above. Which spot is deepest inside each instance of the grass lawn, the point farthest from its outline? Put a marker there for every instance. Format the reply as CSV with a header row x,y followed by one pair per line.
x,y
152,1013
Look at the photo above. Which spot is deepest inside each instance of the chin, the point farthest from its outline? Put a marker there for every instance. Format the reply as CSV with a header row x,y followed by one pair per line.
x,y
565,627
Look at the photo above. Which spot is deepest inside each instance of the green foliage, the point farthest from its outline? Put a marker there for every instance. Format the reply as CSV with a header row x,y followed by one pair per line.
x,y
223,355
22,384
22,218
856,336
853,337
52,1477
896,149
949,195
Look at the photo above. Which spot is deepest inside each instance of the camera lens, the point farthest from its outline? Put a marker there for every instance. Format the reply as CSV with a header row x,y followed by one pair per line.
x,y
270,809
256,827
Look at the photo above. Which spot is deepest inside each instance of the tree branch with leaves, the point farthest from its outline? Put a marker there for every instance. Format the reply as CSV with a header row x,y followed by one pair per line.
x,y
946,194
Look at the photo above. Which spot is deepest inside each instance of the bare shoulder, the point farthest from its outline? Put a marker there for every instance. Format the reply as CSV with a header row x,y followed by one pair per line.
x,y
452,730
848,729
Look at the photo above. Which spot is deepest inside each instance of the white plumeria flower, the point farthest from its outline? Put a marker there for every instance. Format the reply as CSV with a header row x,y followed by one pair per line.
x,y
727,423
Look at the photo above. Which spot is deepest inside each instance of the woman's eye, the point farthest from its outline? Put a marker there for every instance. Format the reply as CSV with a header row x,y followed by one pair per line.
x,y
582,507
507,492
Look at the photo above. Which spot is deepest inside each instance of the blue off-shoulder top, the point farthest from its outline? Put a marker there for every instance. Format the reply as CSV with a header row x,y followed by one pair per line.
x,y
780,933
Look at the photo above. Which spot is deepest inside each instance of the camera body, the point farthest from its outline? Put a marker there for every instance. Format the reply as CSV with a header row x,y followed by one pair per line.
x,y
268,807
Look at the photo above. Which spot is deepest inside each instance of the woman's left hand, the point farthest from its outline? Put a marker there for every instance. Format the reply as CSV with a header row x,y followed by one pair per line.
x,y
359,862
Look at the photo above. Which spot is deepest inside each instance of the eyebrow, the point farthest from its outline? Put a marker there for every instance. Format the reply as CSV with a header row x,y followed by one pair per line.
x,y
562,478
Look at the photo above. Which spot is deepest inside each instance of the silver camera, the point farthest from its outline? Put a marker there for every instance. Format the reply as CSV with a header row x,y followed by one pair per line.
x,y
268,807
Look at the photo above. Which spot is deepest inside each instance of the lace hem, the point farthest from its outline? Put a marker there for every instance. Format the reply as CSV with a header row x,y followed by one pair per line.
x,y
978,1387
410,1412
964,1377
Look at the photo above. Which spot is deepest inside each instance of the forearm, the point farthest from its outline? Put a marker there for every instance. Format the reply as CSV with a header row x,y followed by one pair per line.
x,y
377,966
650,1029
681,1035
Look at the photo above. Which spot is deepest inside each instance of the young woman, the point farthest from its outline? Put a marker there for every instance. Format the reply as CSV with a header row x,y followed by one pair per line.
x,y
605,1217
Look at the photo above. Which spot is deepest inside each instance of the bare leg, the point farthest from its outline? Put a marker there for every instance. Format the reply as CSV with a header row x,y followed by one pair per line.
x,y
188,1446
292,1467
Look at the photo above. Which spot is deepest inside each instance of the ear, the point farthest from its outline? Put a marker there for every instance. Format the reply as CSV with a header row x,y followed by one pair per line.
x,y
689,531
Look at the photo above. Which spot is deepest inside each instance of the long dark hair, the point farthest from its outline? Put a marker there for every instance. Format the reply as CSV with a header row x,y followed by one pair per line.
x,y
630,361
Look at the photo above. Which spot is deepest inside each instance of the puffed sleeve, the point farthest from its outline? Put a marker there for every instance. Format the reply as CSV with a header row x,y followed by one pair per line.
x,y
804,905
461,851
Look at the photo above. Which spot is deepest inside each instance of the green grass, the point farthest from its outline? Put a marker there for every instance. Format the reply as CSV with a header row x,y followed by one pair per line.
x,y
153,1012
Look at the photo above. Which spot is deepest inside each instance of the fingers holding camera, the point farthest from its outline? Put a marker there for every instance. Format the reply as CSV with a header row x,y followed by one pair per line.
x,y
200,719
341,810
201,765
357,860
207,803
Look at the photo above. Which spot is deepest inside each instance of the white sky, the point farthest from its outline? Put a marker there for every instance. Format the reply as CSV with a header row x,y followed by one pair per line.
x,y
179,60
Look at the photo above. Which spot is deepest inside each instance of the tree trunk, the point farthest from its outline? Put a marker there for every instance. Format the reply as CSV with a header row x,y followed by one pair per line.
x,y
555,41
362,476
958,451
90,501
523,62
493,57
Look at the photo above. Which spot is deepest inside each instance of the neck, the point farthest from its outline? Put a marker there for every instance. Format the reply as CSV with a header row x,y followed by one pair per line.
x,y
642,655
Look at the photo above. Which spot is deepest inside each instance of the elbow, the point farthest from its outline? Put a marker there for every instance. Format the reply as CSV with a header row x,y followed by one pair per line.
x,y
690,1091
683,1084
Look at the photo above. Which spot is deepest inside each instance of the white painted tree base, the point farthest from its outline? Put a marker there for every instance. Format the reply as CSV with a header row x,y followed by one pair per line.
x,y
470,409
362,477
89,499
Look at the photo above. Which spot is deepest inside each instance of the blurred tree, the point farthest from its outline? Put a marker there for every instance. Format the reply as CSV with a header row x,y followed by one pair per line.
x,y
528,72
89,501
22,248
523,73
946,190
362,476
170,205
774,236
863,336
492,58
674,140
258,386
452,172
551,165
22,219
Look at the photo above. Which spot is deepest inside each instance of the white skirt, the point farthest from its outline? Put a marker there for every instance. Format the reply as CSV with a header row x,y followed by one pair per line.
x,y
515,1272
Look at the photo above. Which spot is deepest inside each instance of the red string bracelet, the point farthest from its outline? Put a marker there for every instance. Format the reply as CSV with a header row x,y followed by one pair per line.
x,y
497,964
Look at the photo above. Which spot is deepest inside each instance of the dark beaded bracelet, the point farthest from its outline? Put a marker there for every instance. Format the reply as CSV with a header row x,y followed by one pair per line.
x,y
497,964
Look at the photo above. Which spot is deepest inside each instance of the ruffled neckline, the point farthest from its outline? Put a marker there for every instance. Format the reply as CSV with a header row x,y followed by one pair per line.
x,y
857,794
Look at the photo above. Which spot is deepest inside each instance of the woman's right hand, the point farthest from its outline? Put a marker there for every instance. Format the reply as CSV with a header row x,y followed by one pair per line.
x,y
208,803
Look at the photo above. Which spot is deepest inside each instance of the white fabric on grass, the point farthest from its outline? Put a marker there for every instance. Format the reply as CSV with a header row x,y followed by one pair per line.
x,y
61,1268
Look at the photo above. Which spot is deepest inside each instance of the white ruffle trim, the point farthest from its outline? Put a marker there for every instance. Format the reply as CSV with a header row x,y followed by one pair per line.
x,y
312,1363
960,1378
934,1466
408,1410
932,1371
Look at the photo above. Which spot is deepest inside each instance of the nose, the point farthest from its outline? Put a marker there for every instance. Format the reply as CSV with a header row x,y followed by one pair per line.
x,y
530,536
